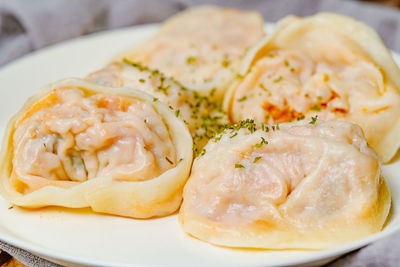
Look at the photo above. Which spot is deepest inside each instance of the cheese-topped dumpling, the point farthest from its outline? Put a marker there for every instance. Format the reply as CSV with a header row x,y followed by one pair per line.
x,y
326,65
82,145
201,47
202,114
302,185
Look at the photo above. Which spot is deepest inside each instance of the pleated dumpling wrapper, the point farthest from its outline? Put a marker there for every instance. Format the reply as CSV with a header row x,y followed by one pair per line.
x,y
292,186
327,65
201,47
202,114
77,144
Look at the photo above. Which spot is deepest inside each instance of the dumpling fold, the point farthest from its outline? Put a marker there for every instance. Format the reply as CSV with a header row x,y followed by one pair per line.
x,y
300,185
78,144
327,65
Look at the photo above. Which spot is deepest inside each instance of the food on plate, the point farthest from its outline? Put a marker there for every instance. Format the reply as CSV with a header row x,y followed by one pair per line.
x,y
327,65
202,114
78,144
201,47
300,185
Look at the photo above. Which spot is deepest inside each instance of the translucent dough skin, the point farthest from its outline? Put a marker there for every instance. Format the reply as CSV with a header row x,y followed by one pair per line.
x,y
115,135
201,47
311,187
327,65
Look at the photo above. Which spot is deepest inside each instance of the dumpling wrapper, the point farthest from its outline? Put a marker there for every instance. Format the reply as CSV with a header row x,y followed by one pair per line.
x,y
202,114
201,47
327,65
77,144
297,186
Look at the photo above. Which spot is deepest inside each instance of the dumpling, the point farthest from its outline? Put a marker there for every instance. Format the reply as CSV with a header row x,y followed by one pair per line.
x,y
78,144
299,185
202,114
326,65
201,47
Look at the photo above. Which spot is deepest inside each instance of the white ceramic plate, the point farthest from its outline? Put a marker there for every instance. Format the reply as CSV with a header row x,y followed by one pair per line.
x,y
80,237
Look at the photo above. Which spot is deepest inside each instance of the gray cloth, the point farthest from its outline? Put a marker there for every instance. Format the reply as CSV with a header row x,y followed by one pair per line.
x,y
27,25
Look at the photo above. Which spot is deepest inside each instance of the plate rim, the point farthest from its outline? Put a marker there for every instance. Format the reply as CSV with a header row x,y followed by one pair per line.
x,y
54,254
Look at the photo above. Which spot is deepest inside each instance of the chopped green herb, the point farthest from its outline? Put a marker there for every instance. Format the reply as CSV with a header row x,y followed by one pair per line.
x,y
155,99
263,87
277,126
238,76
313,120
316,108
319,98
237,166
177,113
242,99
278,79
301,118
256,159
190,60
142,80
170,107
263,141
180,159
11,207
225,63
273,127
287,63
233,135
169,161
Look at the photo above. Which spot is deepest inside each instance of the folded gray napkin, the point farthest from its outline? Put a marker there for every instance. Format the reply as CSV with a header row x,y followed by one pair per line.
x,y
27,25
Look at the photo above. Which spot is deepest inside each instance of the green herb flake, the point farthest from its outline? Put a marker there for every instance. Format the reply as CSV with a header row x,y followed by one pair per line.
x,y
301,118
263,87
239,76
11,207
242,99
238,166
256,159
225,63
314,119
287,63
177,113
169,161
233,135
315,108
142,80
278,79
190,60
263,141
155,99
180,160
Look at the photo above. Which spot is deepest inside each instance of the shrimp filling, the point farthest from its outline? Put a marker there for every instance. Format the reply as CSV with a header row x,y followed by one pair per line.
x,y
74,137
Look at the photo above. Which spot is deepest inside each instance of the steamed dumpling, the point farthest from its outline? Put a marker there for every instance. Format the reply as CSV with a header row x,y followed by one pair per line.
x,y
202,114
201,47
78,144
326,65
303,185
